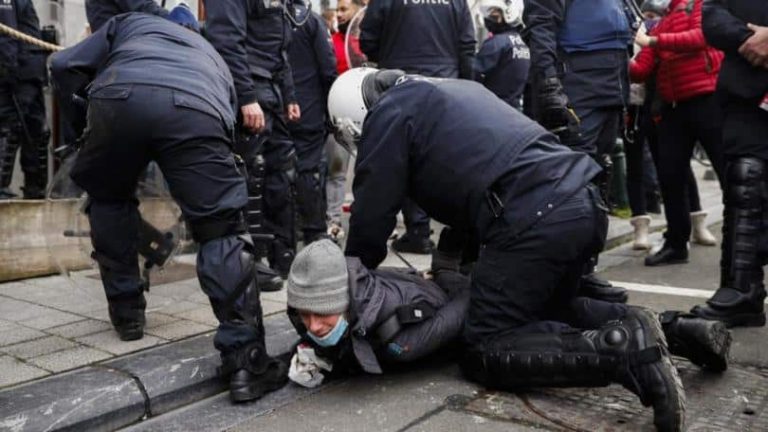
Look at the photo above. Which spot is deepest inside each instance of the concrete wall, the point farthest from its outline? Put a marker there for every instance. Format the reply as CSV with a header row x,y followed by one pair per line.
x,y
32,241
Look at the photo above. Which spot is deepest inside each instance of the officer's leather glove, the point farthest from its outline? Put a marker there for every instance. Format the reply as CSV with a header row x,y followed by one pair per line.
x,y
556,113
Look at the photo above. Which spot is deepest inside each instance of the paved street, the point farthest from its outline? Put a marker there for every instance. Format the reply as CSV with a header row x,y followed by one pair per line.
x,y
434,397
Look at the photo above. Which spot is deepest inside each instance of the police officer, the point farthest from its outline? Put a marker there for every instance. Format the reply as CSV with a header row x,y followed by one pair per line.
x,y
185,123
314,70
22,108
503,60
740,29
353,319
478,165
253,36
580,85
431,38
99,12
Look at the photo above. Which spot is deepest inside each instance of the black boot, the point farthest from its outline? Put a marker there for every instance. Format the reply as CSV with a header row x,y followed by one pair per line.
x,y
252,373
739,300
705,343
631,352
268,279
667,255
593,287
9,146
127,316
414,244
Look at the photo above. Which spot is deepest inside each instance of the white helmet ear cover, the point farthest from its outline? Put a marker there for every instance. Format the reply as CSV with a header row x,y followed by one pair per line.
x,y
512,10
346,104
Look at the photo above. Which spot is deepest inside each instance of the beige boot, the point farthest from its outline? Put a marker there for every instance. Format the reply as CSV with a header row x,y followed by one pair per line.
x,y
699,232
641,224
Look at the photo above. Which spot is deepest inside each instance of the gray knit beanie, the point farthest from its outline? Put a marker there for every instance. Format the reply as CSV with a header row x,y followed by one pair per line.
x,y
318,279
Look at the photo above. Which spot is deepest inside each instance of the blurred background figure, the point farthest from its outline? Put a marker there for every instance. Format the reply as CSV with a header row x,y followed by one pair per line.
x,y
23,121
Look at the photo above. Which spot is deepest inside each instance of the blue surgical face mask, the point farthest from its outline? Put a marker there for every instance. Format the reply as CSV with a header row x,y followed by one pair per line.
x,y
651,23
334,336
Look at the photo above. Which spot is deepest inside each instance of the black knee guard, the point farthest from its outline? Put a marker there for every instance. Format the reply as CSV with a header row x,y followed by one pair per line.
x,y
36,174
9,145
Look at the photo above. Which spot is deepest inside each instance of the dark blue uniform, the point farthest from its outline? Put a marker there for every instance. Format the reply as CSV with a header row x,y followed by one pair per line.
x,y
478,165
584,43
99,12
502,66
741,87
434,38
22,109
253,37
159,92
314,70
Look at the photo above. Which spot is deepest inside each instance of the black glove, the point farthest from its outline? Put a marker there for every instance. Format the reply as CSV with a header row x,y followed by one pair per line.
x,y
556,113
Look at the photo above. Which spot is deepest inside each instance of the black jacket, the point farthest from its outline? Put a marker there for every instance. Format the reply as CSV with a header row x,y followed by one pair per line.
x,y
428,37
253,36
375,295
502,66
444,143
725,27
314,70
19,60
137,48
99,12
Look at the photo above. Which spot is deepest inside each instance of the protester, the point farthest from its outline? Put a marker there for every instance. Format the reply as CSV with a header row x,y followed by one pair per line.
x,y
185,123
354,319
22,108
686,70
740,29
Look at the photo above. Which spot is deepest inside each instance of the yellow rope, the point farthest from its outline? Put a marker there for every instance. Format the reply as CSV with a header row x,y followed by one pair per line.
x,y
28,39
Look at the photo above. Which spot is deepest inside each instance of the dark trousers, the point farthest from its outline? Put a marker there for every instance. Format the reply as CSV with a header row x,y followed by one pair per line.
x,y
129,126
310,182
416,220
23,125
524,282
599,129
682,125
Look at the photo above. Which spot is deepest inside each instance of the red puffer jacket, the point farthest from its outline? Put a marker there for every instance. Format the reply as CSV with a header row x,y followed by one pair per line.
x,y
685,65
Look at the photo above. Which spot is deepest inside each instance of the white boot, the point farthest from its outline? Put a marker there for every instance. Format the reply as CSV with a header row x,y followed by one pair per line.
x,y
641,224
699,232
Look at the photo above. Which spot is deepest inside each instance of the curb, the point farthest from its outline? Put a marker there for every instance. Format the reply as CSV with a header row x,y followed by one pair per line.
x,y
117,393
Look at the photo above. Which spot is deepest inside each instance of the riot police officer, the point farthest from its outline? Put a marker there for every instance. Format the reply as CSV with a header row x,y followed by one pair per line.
x,y
740,29
253,37
481,167
431,38
185,123
314,70
99,12
580,85
22,108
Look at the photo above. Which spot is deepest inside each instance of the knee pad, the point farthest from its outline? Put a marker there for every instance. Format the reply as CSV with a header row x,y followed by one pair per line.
x,y
745,180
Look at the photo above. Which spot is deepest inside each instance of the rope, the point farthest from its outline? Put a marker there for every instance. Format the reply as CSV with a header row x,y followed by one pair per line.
x,y
28,39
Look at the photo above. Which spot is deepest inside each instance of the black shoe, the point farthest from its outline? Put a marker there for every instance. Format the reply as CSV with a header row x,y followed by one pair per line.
x,y
127,316
705,343
599,289
414,245
6,193
742,315
246,385
267,279
651,374
667,255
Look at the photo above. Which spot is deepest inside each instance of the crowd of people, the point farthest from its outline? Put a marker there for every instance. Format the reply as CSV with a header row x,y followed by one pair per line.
x,y
507,145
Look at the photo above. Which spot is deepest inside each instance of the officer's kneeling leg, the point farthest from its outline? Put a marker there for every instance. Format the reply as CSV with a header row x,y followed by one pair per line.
x,y
226,268
631,352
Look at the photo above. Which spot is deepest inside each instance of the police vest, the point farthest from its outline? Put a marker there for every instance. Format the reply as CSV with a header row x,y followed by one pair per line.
x,y
594,25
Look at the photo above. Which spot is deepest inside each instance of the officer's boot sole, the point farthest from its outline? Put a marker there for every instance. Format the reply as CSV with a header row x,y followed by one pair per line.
x,y
707,350
665,262
130,333
264,384
729,318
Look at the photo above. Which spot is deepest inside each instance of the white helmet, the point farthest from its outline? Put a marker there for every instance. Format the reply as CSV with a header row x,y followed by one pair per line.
x,y
511,10
351,96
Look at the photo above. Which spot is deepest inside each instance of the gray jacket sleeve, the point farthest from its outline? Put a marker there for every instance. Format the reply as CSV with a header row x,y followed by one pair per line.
x,y
418,340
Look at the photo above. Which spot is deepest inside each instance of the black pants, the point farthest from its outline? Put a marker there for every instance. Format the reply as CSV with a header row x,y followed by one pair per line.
x,y
28,132
416,220
128,126
682,125
310,182
529,281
